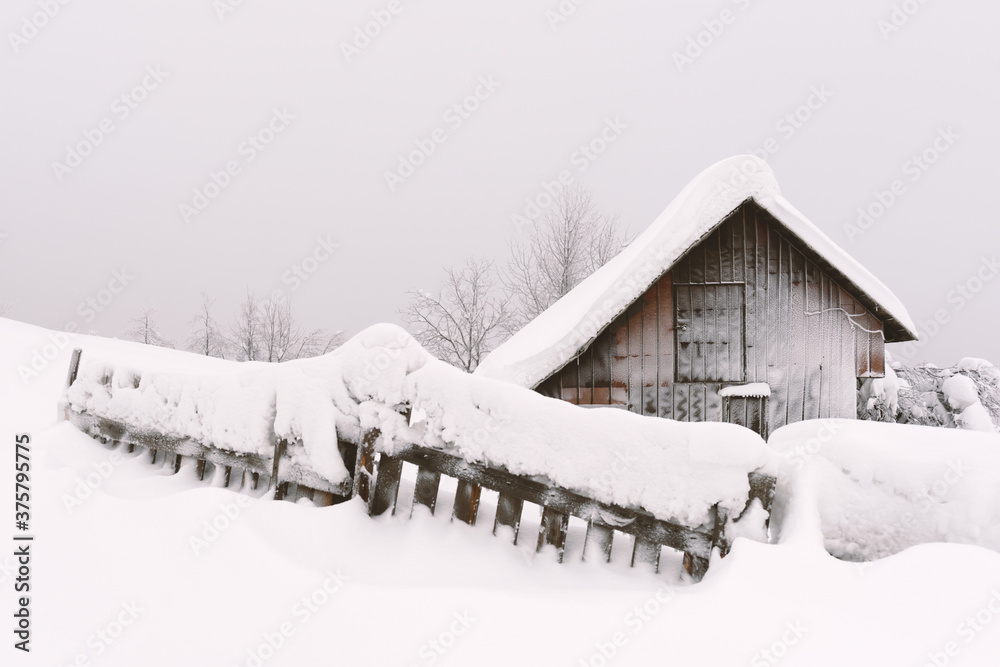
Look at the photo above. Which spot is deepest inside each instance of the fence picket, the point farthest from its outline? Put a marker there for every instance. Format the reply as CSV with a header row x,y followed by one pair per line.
x,y
552,532
508,513
425,491
467,502
597,544
646,552
386,490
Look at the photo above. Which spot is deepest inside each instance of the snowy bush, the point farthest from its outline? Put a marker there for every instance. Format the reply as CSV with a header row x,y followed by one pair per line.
x,y
877,489
965,396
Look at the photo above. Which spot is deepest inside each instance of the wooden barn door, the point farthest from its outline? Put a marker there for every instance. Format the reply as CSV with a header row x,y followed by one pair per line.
x,y
746,411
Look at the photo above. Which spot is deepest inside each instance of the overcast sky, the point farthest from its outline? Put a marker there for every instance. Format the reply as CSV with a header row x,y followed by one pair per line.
x,y
115,113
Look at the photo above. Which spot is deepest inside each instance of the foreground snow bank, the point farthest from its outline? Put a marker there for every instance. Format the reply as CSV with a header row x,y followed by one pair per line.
x,y
875,489
677,471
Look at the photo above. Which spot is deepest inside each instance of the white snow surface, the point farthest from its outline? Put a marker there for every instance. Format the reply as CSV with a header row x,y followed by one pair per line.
x,y
751,390
554,337
677,471
131,538
878,488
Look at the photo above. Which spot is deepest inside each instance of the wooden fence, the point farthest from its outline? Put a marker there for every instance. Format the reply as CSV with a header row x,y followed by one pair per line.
x,y
375,478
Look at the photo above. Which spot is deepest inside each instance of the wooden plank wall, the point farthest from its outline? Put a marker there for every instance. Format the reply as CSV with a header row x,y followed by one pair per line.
x,y
811,362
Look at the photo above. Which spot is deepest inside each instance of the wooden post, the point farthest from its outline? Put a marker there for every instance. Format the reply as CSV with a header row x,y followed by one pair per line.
x,y
177,463
349,455
74,367
322,498
152,455
645,551
383,498
466,502
425,492
200,469
508,513
256,480
131,447
696,566
597,544
229,472
364,467
279,451
719,539
552,532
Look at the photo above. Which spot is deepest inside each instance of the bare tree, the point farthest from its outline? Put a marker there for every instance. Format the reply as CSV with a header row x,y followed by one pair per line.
x,y
464,322
207,338
283,339
144,329
245,334
570,241
268,331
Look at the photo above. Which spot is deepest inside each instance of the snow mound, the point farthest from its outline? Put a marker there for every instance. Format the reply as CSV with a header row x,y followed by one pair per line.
x,y
876,489
383,379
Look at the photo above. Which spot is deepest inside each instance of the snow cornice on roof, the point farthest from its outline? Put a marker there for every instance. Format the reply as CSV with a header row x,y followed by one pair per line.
x,y
557,335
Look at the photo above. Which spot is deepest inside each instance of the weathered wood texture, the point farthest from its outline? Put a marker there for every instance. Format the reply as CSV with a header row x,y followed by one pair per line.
x,y
747,304
696,540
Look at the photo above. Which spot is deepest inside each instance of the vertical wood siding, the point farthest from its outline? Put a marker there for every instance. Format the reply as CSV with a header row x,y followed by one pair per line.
x,y
812,361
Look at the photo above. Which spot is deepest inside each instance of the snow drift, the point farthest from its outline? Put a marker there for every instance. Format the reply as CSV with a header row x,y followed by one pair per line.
x,y
876,488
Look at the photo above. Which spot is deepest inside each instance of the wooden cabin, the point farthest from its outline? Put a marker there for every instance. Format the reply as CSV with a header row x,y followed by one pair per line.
x,y
731,306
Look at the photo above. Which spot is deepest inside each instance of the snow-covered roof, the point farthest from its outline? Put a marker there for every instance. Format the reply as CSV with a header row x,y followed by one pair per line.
x,y
567,327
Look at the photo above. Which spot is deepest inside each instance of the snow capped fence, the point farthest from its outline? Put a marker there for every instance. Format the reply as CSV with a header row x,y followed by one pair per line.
x,y
385,402
379,486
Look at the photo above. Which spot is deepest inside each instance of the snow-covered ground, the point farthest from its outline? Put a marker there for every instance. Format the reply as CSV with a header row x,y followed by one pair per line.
x,y
134,566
